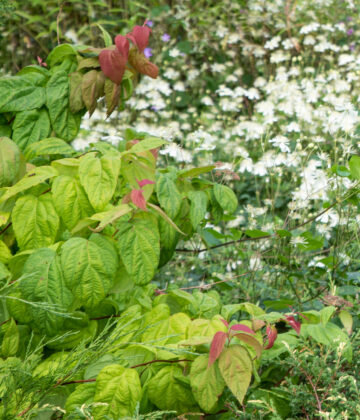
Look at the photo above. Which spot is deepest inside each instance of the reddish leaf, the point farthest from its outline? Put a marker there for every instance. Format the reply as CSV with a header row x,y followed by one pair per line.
x,y
271,333
257,324
122,45
144,182
224,322
155,152
112,96
242,327
139,36
112,64
138,199
142,64
217,346
293,323
251,341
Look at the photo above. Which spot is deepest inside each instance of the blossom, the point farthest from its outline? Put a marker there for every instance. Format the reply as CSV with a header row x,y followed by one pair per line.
x,y
166,37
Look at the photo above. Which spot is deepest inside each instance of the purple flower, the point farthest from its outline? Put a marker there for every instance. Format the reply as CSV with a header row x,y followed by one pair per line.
x,y
350,31
148,52
166,37
150,23
352,47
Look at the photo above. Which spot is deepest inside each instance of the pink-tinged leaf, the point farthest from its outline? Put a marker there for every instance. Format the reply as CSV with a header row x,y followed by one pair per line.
x,y
138,199
112,64
139,36
293,323
40,61
224,322
155,153
122,45
271,333
217,346
142,65
251,341
242,327
144,182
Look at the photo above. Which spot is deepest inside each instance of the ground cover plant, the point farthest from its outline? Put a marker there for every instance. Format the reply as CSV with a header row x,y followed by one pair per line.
x,y
129,267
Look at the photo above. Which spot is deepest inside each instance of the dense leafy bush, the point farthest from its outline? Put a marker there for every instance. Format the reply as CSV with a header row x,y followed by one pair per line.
x,y
98,299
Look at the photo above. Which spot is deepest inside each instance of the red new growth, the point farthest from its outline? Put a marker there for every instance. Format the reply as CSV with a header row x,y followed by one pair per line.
x,y
242,327
113,59
217,345
271,333
293,323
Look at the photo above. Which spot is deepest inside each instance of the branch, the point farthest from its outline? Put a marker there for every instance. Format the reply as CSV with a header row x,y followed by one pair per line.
x,y
197,251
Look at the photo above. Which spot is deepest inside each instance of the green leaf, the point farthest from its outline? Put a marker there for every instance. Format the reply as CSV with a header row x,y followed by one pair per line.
x,y
194,172
107,217
105,35
206,382
99,177
30,126
59,53
35,221
43,282
76,100
168,390
92,87
199,201
139,246
83,394
354,165
32,178
147,144
5,253
10,343
70,200
48,146
236,367
12,162
120,389
112,95
64,122
255,233
89,270
18,94
165,217
326,313
347,321
168,195
225,197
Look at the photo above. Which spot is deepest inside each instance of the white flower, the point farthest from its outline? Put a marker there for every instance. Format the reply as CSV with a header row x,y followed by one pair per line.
x,y
298,240
272,43
281,142
176,152
174,52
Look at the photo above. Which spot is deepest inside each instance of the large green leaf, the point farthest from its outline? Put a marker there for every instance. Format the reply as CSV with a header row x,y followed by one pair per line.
x,y
48,146
12,162
83,394
88,269
225,197
198,206
206,382
120,389
139,246
168,195
354,165
65,124
18,94
35,221
10,343
99,177
34,177
5,253
147,144
70,199
236,367
30,126
43,283
168,390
